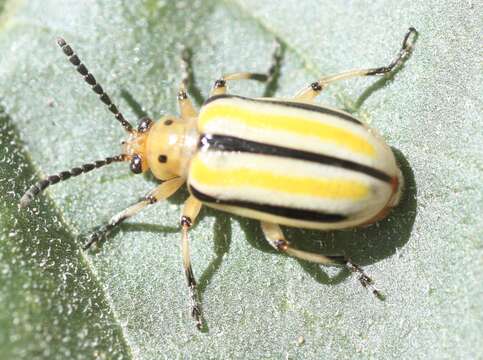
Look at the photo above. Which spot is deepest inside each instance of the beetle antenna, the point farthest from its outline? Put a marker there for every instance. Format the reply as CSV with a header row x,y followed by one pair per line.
x,y
91,80
64,175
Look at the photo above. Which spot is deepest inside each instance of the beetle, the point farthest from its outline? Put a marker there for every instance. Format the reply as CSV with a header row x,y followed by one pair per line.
x,y
284,162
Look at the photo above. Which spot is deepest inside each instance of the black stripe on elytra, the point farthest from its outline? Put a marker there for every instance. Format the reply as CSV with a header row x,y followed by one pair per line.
x,y
234,144
287,212
290,104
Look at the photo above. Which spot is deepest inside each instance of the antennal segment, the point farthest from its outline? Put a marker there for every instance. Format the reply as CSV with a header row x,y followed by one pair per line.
x,y
64,175
91,80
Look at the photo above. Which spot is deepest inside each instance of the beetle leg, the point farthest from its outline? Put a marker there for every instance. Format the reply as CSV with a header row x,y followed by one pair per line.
x,y
316,87
220,87
163,191
275,237
192,207
186,107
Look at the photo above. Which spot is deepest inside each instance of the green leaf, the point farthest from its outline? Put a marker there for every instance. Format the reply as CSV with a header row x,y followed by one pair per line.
x,y
129,299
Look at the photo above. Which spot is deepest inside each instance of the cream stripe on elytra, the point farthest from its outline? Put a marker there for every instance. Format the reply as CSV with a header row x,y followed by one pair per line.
x,y
300,125
332,188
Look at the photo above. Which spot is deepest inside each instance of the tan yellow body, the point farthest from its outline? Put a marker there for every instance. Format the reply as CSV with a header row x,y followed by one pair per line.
x,y
286,162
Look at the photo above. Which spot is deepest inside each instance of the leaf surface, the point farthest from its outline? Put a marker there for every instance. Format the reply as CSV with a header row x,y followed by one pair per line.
x,y
129,299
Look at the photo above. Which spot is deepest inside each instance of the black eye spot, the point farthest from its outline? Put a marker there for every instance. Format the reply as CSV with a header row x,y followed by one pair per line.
x,y
145,124
136,164
162,158
168,122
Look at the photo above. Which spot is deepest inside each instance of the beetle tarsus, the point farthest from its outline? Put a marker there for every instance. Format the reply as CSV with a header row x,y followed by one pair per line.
x,y
196,314
363,278
193,294
194,303
88,244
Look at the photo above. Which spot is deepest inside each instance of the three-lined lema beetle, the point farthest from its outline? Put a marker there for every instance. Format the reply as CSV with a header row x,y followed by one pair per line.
x,y
283,162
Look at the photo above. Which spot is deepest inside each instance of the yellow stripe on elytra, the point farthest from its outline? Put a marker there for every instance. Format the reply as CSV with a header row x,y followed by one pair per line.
x,y
289,123
336,188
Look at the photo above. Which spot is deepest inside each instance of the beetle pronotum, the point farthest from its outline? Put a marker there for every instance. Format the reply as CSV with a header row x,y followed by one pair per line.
x,y
283,162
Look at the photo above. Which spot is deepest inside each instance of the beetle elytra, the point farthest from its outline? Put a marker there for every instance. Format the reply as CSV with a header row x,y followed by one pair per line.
x,y
281,161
